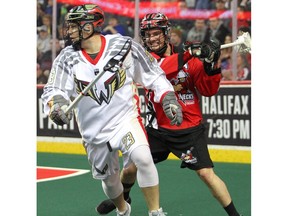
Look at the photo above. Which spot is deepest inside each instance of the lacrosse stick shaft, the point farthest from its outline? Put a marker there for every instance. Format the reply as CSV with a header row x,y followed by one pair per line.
x,y
84,92
231,44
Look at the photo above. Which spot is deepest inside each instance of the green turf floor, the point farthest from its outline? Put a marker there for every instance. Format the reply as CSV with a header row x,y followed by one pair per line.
x,y
182,193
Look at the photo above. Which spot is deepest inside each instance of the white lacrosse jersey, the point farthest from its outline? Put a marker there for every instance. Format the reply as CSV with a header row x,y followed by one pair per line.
x,y
112,100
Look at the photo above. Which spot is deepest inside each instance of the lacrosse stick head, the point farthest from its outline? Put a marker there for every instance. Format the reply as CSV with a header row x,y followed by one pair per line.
x,y
244,43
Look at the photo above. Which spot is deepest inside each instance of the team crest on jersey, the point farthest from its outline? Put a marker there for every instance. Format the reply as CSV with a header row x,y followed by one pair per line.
x,y
112,84
188,157
182,87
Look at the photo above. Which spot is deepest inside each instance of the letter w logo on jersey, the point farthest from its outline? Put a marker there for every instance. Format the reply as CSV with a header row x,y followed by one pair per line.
x,y
112,84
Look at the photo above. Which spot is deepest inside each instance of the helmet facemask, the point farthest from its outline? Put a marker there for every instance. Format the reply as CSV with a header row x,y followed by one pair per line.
x,y
155,40
67,35
155,21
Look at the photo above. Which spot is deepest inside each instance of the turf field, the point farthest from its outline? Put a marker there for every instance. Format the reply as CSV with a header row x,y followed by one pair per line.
x,y
182,193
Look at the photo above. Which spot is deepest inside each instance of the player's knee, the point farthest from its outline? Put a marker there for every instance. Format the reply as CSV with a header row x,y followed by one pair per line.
x,y
206,174
141,157
112,186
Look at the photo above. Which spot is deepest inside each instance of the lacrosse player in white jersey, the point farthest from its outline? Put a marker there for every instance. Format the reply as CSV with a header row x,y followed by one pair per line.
x,y
108,116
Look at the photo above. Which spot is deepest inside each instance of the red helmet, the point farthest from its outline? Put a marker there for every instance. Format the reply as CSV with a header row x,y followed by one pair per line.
x,y
154,20
87,13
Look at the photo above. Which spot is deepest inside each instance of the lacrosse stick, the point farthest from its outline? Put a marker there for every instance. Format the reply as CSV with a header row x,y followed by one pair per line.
x,y
113,65
242,44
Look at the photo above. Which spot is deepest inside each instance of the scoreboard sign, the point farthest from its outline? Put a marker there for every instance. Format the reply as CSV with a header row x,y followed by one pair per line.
x,y
227,115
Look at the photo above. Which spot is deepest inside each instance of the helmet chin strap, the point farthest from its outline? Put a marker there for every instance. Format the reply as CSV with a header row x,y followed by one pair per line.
x,y
77,45
159,52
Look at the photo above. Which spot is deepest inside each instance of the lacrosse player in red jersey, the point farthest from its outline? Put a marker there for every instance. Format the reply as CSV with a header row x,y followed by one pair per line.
x,y
192,72
108,116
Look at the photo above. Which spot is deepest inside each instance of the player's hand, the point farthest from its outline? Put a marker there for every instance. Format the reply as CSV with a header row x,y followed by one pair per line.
x,y
211,51
57,114
172,108
194,48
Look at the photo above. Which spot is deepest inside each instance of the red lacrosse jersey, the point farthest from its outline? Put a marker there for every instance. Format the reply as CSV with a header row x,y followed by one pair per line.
x,y
190,81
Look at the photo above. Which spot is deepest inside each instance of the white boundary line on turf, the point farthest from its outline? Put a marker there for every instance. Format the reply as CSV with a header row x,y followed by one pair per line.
x,y
78,172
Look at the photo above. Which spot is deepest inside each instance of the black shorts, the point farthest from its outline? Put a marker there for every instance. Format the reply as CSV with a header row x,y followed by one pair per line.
x,y
190,144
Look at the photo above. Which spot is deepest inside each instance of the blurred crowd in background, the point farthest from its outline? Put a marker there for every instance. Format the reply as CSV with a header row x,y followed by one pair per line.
x,y
181,31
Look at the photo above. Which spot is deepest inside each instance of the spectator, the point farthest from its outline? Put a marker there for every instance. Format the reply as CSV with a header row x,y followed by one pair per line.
x,y
203,5
48,9
226,54
242,18
114,27
43,40
226,61
45,59
217,29
198,32
243,69
47,21
246,4
41,78
60,35
190,3
130,27
64,8
221,5
176,39
40,13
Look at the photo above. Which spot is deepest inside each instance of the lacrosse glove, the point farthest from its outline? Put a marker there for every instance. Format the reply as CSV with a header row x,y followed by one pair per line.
x,y
58,106
172,108
194,48
209,51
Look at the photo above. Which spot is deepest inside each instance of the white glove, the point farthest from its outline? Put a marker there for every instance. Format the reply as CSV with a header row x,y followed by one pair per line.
x,y
57,110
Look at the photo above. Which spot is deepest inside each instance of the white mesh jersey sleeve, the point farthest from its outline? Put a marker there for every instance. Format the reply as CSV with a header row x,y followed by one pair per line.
x,y
61,80
148,73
